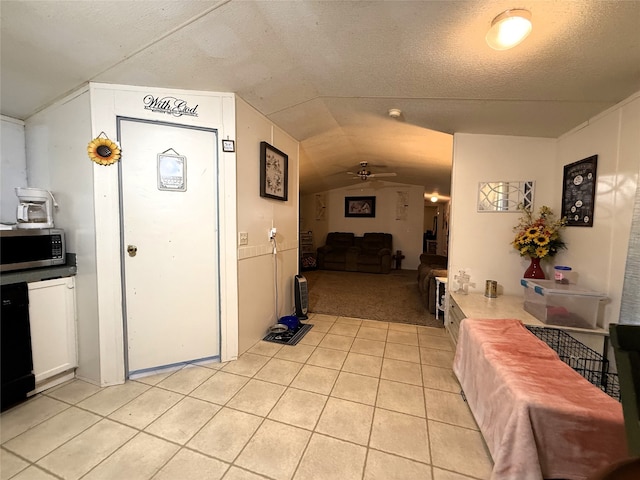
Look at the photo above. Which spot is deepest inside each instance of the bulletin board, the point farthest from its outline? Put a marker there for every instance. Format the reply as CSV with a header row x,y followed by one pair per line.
x,y
579,192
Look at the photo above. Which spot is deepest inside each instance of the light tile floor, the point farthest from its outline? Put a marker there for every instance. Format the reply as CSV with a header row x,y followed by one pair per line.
x,y
355,399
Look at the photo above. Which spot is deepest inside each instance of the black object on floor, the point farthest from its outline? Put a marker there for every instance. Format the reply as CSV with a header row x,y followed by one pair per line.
x,y
290,337
16,373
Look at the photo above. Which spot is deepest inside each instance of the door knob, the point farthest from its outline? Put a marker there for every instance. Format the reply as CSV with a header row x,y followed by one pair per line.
x,y
132,250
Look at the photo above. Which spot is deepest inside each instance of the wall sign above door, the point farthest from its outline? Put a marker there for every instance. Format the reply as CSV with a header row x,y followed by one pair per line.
x,y
173,106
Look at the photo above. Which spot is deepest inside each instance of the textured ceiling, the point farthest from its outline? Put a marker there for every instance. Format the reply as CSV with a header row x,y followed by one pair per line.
x,y
328,72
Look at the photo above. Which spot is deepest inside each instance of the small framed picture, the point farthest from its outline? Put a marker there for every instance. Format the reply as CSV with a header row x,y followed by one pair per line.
x,y
359,206
172,172
274,175
228,146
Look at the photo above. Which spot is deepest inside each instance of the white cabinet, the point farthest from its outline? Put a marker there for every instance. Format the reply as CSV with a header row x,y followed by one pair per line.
x,y
453,319
52,316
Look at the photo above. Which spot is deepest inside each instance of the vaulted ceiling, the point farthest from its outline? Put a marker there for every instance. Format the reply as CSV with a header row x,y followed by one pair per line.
x,y
327,72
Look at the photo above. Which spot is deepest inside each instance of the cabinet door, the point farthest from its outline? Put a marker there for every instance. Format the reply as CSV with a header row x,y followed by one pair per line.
x,y
454,317
52,316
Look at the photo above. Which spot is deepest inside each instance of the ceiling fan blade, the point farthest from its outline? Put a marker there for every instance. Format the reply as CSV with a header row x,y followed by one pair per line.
x,y
383,175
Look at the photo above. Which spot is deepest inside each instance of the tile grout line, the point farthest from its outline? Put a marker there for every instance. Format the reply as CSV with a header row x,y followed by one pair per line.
x,y
266,416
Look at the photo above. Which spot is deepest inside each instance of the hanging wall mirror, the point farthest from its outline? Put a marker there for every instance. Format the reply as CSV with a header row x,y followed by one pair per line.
x,y
504,196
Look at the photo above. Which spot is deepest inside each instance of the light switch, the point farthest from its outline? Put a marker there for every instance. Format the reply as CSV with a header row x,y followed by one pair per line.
x,y
243,238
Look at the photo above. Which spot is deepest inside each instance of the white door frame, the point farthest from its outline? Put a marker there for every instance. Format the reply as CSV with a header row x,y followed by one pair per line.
x,y
123,248
216,110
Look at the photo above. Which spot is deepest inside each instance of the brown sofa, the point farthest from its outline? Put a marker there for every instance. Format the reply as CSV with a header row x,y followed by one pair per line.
x,y
431,266
344,251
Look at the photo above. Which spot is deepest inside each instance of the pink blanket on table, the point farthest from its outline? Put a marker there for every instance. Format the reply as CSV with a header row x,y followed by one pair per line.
x,y
539,417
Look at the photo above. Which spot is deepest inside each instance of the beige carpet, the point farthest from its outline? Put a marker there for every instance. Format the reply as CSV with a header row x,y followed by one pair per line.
x,y
391,298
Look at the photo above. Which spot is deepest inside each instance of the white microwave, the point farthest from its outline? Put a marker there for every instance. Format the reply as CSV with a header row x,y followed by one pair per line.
x,y
34,248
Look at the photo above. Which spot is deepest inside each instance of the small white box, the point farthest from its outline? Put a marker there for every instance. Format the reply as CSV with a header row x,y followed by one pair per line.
x,y
559,304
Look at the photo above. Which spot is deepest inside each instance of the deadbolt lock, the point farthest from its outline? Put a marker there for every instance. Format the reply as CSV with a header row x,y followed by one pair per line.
x,y
132,250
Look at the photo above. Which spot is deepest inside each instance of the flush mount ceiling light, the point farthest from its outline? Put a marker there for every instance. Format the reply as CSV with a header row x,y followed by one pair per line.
x,y
509,29
434,199
395,112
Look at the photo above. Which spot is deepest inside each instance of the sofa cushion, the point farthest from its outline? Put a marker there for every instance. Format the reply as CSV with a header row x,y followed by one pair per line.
x,y
340,239
433,261
336,256
368,259
431,266
372,243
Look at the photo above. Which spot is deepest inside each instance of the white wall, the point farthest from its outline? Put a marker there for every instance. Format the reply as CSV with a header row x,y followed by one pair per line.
x,y
13,166
256,215
407,234
480,243
56,140
599,253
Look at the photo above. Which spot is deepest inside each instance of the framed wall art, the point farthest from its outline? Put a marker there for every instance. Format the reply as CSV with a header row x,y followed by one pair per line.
x,y
502,196
359,206
321,206
228,145
579,192
274,172
172,172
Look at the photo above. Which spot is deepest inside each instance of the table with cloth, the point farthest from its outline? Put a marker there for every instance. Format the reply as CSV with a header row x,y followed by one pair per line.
x,y
538,416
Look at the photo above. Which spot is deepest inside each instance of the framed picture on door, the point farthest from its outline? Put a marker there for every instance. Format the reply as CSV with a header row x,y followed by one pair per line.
x,y
172,172
274,172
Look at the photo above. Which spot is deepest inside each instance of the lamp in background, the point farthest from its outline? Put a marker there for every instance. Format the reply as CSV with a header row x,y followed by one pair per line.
x,y
509,29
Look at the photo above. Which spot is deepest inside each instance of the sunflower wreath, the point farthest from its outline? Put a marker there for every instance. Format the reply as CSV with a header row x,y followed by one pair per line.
x,y
103,151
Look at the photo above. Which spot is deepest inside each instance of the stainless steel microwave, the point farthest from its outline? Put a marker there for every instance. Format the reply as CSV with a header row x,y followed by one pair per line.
x,y
31,248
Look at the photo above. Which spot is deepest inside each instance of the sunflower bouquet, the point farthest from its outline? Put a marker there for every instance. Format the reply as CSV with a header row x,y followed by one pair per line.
x,y
538,237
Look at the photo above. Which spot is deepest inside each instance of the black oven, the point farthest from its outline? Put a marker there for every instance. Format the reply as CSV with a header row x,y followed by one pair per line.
x,y
31,248
17,365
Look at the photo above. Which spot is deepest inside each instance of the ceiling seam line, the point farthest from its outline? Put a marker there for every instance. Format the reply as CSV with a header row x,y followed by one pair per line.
x,y
342,97
164,36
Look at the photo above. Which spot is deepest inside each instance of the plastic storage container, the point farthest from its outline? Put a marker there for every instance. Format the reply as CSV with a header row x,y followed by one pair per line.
x,y
559,304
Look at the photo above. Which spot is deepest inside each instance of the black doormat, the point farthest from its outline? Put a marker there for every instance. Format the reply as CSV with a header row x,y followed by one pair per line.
x,y
290,337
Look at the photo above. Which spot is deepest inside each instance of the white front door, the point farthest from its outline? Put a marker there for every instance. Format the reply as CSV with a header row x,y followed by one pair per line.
x,y
170,243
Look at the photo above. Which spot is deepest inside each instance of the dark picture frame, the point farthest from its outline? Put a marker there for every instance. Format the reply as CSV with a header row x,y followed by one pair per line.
x,y
274,172
579,192
360,207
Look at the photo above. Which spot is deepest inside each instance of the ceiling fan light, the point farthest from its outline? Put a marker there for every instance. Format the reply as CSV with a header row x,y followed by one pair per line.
x,y
509,29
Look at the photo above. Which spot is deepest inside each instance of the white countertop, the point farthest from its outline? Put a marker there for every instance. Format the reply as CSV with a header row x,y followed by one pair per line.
x,y
476,305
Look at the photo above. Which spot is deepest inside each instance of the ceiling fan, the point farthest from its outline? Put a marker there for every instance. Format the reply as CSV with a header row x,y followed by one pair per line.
x,y
364,174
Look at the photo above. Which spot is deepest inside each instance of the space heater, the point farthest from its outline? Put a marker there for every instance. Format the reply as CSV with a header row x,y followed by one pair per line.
x,y
301,294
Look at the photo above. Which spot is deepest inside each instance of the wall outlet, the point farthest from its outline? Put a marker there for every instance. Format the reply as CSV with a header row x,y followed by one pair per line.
x,y
243,238
272,233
